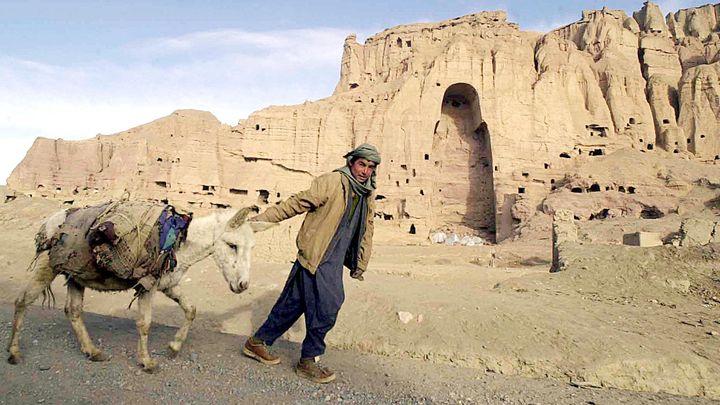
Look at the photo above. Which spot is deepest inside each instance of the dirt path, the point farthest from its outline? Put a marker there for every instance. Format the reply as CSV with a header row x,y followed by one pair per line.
x,y
210,369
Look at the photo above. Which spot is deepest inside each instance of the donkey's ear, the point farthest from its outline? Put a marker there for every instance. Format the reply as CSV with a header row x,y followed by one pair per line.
x,y
240,217
258,226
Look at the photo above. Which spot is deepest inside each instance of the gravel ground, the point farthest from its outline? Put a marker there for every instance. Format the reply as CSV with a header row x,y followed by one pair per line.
x,y
211,369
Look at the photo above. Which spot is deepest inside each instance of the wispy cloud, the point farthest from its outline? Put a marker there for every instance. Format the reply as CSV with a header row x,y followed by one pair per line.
x,y
317,46
229,73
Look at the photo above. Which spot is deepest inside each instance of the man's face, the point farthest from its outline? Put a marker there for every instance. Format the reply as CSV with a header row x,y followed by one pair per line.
x,y
362,169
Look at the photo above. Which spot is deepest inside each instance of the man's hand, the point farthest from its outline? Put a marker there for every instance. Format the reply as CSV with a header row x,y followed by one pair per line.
x,y
357,274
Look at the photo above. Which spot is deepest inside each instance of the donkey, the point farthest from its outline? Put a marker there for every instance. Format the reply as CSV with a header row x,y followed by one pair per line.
x,y
226,236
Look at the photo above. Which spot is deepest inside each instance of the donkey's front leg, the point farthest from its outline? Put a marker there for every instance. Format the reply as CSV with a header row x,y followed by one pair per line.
x,y
73,311
143,326
41,279
176,295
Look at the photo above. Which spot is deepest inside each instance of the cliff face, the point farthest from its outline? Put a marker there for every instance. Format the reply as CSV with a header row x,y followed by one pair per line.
x,y
188,157
475,120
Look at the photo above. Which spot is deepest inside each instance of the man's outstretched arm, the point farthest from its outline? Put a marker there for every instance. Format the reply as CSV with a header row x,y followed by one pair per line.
x,y
297,204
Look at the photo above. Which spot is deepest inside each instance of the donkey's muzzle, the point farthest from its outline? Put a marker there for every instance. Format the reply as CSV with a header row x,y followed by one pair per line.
x,y
239,287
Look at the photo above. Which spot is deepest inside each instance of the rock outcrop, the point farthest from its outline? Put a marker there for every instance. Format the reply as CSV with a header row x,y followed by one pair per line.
x,y
478,122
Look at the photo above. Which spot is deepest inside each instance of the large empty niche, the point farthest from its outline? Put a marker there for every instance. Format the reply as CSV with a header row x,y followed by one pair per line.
x,y
465,196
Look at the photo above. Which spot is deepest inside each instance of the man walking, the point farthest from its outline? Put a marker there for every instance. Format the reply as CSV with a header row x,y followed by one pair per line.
x,y
337,231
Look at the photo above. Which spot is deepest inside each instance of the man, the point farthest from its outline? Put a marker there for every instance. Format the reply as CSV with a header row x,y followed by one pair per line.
x,y
337,231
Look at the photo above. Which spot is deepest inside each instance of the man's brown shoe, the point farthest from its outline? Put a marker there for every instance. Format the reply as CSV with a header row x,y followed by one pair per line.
x,y
309,368
256,349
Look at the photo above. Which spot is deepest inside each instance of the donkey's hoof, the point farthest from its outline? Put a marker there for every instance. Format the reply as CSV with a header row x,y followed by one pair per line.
x,y
151,367
99,356
174,348
14,358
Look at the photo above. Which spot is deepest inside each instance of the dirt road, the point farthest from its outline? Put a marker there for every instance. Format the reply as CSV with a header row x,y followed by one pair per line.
x,y
210,369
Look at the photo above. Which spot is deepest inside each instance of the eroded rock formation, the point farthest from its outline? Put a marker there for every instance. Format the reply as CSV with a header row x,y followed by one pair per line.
x,y
477,121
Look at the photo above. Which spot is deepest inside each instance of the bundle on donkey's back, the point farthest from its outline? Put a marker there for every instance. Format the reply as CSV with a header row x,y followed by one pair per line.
x,y
140,245
115,246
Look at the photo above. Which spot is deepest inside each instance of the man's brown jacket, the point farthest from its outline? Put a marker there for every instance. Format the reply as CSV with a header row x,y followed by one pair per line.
x,y
325,202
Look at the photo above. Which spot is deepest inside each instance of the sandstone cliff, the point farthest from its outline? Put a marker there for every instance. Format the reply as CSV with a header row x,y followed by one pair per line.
x,y
478,122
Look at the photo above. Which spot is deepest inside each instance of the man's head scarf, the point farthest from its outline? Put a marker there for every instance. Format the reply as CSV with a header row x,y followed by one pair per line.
x,y
365,151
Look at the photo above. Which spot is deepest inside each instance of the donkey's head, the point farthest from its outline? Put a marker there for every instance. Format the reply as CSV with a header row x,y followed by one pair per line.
x,y
232,250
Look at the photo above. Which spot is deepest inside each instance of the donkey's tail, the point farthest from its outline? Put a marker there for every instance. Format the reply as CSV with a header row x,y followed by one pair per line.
x,y
48,296
32,264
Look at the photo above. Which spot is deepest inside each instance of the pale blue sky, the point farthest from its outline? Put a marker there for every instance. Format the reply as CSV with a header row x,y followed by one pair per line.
x,y
73,69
